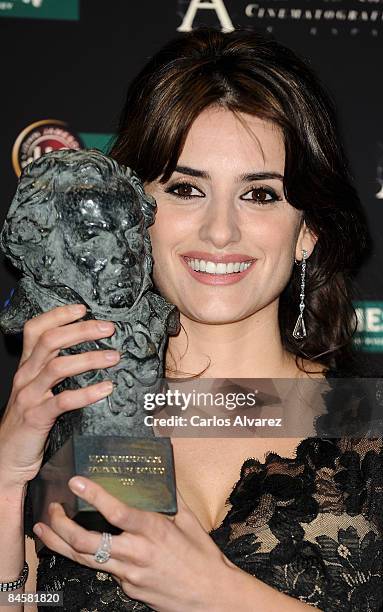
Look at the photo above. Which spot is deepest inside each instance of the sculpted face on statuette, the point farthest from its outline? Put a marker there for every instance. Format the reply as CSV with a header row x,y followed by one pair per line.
x,y
100,237
77,229
80,220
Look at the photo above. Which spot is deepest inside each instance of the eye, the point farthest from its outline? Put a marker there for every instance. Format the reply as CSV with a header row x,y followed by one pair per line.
x,y
185,191
262,195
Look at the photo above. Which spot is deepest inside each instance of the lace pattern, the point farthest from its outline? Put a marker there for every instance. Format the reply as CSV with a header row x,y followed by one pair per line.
x,y
310,527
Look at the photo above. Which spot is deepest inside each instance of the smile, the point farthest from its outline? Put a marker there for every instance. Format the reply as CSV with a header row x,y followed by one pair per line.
x,y
209,272
209,267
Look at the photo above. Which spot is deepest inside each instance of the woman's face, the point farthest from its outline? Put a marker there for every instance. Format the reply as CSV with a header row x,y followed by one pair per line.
x,y
225,205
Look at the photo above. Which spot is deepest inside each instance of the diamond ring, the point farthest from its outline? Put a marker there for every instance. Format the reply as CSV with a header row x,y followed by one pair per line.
x,y
102,554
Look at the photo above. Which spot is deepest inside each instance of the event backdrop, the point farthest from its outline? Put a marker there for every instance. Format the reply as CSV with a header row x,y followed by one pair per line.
x,y
66,65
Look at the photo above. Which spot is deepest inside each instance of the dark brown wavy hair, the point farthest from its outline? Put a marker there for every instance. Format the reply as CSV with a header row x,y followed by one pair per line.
x,y
247,72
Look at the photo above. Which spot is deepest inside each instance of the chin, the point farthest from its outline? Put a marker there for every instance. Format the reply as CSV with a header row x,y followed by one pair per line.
x,y
215,316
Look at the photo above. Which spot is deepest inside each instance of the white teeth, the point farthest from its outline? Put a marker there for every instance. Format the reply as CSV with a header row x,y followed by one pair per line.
x,y
200,265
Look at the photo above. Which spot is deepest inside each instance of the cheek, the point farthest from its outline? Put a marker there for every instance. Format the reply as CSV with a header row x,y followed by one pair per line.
x,y
281,246
169,236
274,236
276,243
166,233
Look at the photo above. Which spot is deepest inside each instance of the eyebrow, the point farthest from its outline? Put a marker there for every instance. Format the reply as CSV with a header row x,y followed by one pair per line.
x,y
251,176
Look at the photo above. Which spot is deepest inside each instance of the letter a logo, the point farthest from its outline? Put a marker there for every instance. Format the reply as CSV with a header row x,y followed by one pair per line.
x,y
213,5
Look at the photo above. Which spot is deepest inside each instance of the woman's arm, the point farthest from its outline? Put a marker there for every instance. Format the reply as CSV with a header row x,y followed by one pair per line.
x,y
32,560
31,412
14,545
12,536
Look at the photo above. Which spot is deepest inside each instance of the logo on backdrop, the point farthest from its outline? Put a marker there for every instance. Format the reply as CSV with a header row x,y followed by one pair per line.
x,y
202,5
42,137
369,333
334,17
41,9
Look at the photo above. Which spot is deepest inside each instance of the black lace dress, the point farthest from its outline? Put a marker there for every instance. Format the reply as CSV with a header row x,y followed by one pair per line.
x,y
311,527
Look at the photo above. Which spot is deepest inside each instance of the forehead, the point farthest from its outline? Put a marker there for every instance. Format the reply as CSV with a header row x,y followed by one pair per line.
x,y
218,136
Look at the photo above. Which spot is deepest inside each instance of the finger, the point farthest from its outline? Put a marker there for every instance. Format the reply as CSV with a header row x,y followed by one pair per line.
x,y
54,542
52,340
70,365
41,323
115,511
124,547
65,336
71,399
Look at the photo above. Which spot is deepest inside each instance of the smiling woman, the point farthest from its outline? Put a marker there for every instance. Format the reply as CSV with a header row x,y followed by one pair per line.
x,y
238,123
258,232
232,216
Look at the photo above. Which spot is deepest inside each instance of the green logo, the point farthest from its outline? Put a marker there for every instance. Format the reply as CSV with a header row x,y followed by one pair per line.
x,y
40,9
369,335
92,140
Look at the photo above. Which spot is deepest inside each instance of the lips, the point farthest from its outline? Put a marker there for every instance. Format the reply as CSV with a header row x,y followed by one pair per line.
x,y
234,257
218,279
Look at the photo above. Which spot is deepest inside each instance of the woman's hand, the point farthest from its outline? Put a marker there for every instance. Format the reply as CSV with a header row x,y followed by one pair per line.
x,y
32,408
170,563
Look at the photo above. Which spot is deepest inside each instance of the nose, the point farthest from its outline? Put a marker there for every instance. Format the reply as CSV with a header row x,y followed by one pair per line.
x,y
220,224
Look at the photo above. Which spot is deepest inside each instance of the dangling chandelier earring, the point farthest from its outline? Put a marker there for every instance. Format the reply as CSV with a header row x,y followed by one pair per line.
x,y
300,329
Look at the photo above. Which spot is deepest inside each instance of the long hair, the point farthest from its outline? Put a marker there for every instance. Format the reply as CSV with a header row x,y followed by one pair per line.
x,y
246,72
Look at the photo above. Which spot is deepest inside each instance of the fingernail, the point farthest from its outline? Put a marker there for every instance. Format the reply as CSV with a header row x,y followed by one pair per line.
x,y
105,388
76,484
53,506
78,308
104,326
112,356
37,530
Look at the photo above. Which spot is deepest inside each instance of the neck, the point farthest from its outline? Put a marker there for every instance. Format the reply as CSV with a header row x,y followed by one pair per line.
x,y
250,348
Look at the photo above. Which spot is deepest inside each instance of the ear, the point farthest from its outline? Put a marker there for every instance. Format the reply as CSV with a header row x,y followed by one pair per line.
x,y
306,240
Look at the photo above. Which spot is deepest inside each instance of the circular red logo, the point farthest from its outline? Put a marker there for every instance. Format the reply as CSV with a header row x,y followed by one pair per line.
x,y
42,137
